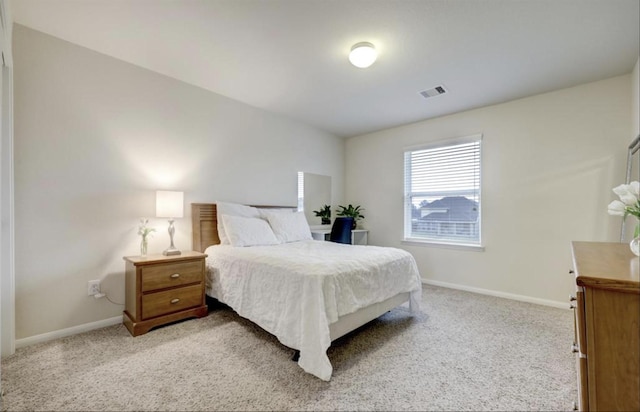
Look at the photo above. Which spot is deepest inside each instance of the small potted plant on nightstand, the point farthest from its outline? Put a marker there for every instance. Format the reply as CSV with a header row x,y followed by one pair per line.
x,y
351,211
324,214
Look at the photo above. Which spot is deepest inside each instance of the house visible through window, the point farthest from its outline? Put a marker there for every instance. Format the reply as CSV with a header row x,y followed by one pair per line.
x,y
442,192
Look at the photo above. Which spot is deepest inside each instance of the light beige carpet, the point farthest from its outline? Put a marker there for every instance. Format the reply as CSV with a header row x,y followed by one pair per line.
x,y
466,352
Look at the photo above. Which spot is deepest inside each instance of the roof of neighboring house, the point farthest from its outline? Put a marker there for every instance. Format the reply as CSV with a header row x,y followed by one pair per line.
x,y
458,209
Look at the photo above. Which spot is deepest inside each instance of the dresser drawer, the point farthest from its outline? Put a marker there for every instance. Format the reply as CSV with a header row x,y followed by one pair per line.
x,y
580,322
163,276
583,392
580,350
172,300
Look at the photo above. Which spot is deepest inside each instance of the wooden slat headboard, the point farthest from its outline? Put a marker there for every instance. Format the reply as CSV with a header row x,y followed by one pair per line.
x,y
204,224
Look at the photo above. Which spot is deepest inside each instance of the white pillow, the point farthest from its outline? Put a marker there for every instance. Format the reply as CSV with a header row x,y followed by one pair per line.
x,y
264,212
232,209
289,227
248,231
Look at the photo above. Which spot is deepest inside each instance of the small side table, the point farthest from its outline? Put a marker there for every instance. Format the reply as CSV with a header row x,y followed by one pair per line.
x,y
358,236
162,289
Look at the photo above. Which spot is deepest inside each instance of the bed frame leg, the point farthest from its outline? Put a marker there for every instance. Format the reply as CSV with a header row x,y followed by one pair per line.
x,y
296,356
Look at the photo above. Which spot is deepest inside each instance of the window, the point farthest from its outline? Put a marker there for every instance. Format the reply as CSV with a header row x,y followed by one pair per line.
x,y
442,192
300,191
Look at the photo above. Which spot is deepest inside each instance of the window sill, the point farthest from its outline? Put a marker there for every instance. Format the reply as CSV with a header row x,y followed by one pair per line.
x,y
455,246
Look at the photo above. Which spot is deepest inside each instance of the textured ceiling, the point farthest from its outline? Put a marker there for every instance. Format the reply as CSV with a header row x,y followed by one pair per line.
x,y
290,56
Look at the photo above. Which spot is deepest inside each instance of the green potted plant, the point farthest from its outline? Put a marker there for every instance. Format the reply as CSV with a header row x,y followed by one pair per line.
x,y
351,211
324,214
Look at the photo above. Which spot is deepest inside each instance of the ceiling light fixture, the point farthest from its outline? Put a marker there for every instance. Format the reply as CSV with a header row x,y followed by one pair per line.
x,y
363,55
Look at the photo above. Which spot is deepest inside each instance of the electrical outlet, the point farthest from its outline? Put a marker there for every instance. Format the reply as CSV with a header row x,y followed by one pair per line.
x,y
93,287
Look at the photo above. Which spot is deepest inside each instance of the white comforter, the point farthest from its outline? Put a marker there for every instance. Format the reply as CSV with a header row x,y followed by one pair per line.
x,y
295,290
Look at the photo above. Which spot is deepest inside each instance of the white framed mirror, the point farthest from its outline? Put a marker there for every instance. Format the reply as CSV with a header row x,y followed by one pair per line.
x,y
633,174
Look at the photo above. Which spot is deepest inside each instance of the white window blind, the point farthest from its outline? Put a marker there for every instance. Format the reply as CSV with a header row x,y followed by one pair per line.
x,y
442,192
300,191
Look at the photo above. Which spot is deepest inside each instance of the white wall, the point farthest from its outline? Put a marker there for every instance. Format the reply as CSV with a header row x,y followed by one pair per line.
x,y
95,137
549,163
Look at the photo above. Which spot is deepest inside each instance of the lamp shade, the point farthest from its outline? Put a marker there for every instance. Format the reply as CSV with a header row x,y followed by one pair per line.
x,y
169,204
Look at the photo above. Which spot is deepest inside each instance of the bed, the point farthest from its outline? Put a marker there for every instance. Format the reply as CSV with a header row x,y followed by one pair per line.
x,y
305,292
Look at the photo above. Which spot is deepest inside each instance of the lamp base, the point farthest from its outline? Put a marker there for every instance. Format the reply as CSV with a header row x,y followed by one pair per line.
x,y
171,252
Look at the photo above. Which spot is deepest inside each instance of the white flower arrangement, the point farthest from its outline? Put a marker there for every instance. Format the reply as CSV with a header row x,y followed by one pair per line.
x,y
143,230
629,203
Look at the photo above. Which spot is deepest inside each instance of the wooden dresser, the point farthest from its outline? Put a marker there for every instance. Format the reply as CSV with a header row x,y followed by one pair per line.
x,y
162,289
607,326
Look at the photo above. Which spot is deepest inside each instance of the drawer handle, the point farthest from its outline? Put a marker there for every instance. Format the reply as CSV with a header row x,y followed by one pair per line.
x,y
576,349
175,276
572,298
174,301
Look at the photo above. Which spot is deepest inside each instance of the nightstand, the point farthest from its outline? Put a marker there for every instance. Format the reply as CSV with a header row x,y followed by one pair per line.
x,y
162,289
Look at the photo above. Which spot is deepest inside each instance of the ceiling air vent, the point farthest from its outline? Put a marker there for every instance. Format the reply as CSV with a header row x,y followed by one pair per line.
x,y
436,91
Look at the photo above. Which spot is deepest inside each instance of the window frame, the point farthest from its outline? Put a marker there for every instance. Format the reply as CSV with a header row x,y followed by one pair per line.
x,y
407,207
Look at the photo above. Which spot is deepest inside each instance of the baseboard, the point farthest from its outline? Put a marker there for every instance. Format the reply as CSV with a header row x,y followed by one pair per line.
x,y
512,296
61,333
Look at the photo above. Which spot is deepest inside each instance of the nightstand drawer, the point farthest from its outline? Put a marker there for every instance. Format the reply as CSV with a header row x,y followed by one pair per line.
x,y
173,300
163,276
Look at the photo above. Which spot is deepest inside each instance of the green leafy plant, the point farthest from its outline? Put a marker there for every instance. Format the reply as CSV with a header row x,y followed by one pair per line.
x,y
324,214
351,211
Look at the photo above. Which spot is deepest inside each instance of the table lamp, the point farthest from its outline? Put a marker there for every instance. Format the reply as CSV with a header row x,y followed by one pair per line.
x,y
170,205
